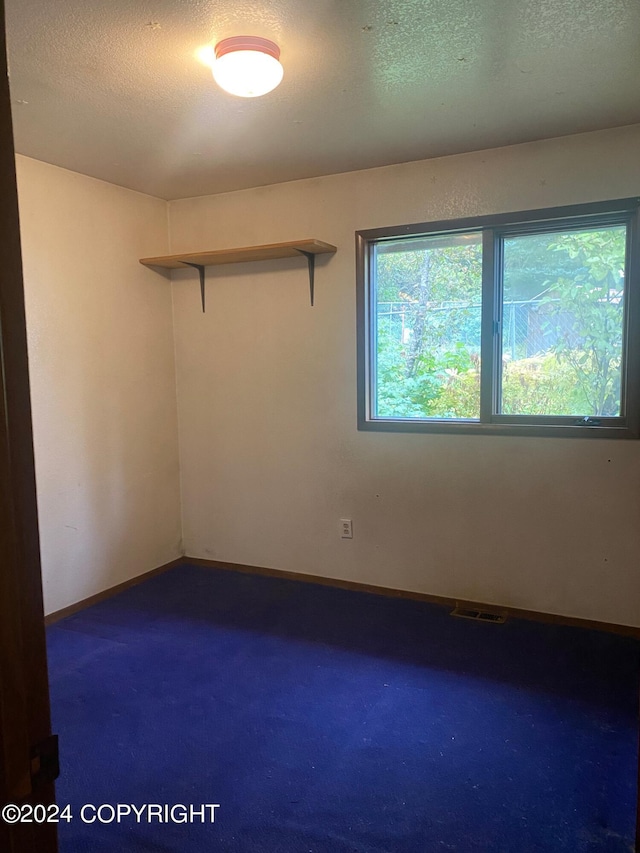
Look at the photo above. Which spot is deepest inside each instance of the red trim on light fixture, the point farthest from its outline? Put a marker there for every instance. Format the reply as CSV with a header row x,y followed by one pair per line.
x,y
235,43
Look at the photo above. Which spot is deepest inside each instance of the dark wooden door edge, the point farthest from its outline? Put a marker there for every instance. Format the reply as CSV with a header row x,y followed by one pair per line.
x,y
24,710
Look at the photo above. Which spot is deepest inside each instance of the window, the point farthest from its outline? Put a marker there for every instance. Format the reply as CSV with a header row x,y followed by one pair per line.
x,y
522,323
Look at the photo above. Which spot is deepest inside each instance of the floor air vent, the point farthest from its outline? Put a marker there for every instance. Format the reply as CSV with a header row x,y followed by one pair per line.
x,y
479,615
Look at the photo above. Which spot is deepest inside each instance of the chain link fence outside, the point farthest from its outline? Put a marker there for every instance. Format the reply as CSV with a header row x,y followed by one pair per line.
x,y
529,328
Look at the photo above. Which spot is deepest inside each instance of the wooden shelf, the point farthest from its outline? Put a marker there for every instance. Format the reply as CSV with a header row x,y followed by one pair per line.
x,y
271,252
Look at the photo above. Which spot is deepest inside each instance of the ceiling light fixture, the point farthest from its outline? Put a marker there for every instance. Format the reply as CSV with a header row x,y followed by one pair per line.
x,y
247,66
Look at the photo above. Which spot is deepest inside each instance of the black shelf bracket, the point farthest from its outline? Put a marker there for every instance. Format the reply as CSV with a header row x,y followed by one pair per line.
x,y
311,260
200,269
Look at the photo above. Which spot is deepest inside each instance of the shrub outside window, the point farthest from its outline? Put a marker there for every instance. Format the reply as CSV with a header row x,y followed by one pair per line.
x,y
521,323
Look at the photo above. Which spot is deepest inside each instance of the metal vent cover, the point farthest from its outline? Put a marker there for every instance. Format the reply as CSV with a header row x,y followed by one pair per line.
x,y
479,615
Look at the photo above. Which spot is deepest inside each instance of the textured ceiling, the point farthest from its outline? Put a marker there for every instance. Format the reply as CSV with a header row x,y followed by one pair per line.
x,y
113,89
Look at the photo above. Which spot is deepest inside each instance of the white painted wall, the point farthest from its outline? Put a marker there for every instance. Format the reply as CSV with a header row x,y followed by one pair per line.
x,y
102,381
270,454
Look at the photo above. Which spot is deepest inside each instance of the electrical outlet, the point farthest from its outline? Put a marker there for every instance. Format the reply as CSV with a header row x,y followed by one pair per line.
x,y
346,528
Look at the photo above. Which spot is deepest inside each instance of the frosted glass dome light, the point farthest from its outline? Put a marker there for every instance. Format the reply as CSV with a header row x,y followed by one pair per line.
x,y
247,66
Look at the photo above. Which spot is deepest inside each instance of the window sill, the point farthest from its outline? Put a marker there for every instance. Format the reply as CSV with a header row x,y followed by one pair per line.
x,y
468,427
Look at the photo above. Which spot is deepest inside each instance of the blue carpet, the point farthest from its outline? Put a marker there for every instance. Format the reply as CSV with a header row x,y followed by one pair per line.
x,y
328,721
